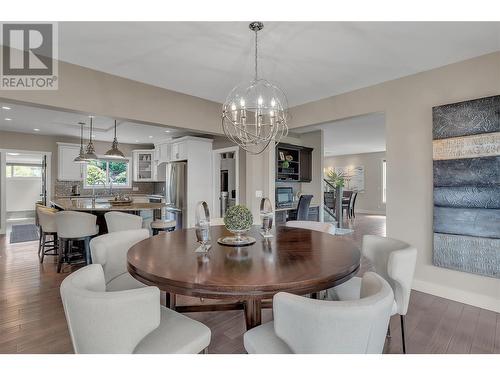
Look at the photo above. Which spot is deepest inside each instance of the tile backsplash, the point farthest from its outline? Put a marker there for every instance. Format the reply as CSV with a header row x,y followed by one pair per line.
x,y
63,188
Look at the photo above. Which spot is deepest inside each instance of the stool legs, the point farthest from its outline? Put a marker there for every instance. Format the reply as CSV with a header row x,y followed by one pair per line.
x,y
47,246
62,253
88,256
66,248
42,252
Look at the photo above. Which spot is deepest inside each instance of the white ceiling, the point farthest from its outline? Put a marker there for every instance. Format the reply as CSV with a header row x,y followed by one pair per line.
x,y
24,119
355,135
309,60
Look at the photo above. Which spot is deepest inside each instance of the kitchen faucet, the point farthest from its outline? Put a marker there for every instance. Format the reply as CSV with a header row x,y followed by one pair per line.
x,y
93,189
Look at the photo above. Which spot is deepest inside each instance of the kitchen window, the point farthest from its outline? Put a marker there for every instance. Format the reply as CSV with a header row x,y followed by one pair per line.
x,y
23,171
103,173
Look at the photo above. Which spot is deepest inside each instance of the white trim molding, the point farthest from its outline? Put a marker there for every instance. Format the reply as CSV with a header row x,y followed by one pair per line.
x,y
474,299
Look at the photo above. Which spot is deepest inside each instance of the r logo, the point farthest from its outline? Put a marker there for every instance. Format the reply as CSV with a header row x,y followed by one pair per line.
x,y
27,49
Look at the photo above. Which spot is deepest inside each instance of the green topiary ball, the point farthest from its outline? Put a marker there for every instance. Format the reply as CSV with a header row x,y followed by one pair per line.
x,y
238,218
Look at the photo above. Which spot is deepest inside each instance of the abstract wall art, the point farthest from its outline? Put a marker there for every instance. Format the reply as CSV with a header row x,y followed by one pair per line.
x,y
354,177
466,165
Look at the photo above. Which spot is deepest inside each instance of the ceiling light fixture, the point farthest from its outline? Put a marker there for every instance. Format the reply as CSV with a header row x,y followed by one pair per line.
x,y
90,154
13,153
167,131
8,119
114,152
6,108
254,113
37,130
81,157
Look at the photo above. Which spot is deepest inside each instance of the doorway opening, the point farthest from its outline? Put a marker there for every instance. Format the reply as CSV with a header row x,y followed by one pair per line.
x,y
226,180
353,169
23,184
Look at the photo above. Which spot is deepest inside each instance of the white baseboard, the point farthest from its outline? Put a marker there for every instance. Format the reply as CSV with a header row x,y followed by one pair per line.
x,y
369,212
478,300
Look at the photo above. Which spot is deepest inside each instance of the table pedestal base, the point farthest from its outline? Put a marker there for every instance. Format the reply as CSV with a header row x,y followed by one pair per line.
x,y
253,313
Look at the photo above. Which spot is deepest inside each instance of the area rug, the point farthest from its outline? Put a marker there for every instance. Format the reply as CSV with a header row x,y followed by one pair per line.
x,y
24,233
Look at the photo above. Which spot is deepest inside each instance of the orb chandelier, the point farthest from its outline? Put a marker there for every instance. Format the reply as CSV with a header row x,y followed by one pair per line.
x,y
254,113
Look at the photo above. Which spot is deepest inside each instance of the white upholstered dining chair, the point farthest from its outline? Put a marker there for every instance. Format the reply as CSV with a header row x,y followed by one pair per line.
x,y
312,225
304,325
110,251
120,221
129,321
395,261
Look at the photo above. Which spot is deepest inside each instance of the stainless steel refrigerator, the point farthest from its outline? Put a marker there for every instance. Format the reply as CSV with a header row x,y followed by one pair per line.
x,y
176,192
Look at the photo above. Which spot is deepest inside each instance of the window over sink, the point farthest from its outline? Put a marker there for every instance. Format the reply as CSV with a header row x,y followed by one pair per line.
x,y
103,173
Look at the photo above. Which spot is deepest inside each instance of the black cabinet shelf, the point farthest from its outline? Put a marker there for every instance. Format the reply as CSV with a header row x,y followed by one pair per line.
x,y
299,168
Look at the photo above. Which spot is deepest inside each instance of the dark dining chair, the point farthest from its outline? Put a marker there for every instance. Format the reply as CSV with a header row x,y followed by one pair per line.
x,y
303,207
346,202
353,203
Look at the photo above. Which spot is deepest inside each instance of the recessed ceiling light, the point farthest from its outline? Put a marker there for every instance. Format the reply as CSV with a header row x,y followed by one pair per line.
x,y
167,131
37,130
13,153
8,119
7,108
150,136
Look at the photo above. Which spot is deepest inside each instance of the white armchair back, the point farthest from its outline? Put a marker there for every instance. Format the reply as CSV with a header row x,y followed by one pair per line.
x,y
107,322
110,251
312,225
120,221
317,326
74,224
395,261
47,219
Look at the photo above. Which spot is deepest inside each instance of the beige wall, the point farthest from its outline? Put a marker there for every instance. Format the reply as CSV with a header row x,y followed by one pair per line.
x,y
407,103
369,201
92,92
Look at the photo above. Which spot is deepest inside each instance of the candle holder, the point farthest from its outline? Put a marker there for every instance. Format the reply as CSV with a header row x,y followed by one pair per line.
x,y
202,227
266,215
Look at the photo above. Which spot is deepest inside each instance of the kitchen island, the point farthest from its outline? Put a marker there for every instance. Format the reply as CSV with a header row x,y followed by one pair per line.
x,y
100,206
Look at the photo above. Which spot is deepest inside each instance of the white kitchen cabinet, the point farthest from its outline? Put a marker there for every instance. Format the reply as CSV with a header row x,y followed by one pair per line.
x,y
144,165
179,151
67,169
163,151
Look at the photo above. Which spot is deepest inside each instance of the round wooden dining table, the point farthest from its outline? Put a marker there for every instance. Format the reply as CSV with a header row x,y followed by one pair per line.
x,y
294,260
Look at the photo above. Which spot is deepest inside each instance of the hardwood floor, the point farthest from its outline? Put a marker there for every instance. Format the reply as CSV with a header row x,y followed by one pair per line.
x,y
32,318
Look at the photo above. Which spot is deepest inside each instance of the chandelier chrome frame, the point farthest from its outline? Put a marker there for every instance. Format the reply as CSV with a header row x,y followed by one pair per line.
x,y
255,113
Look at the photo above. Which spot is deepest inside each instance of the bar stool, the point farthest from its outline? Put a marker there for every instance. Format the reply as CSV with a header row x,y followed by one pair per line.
x,y
162,225
47,223
74,226
120,221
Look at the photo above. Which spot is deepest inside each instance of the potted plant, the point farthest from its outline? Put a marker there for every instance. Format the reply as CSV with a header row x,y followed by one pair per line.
x,y
238,220
336,179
